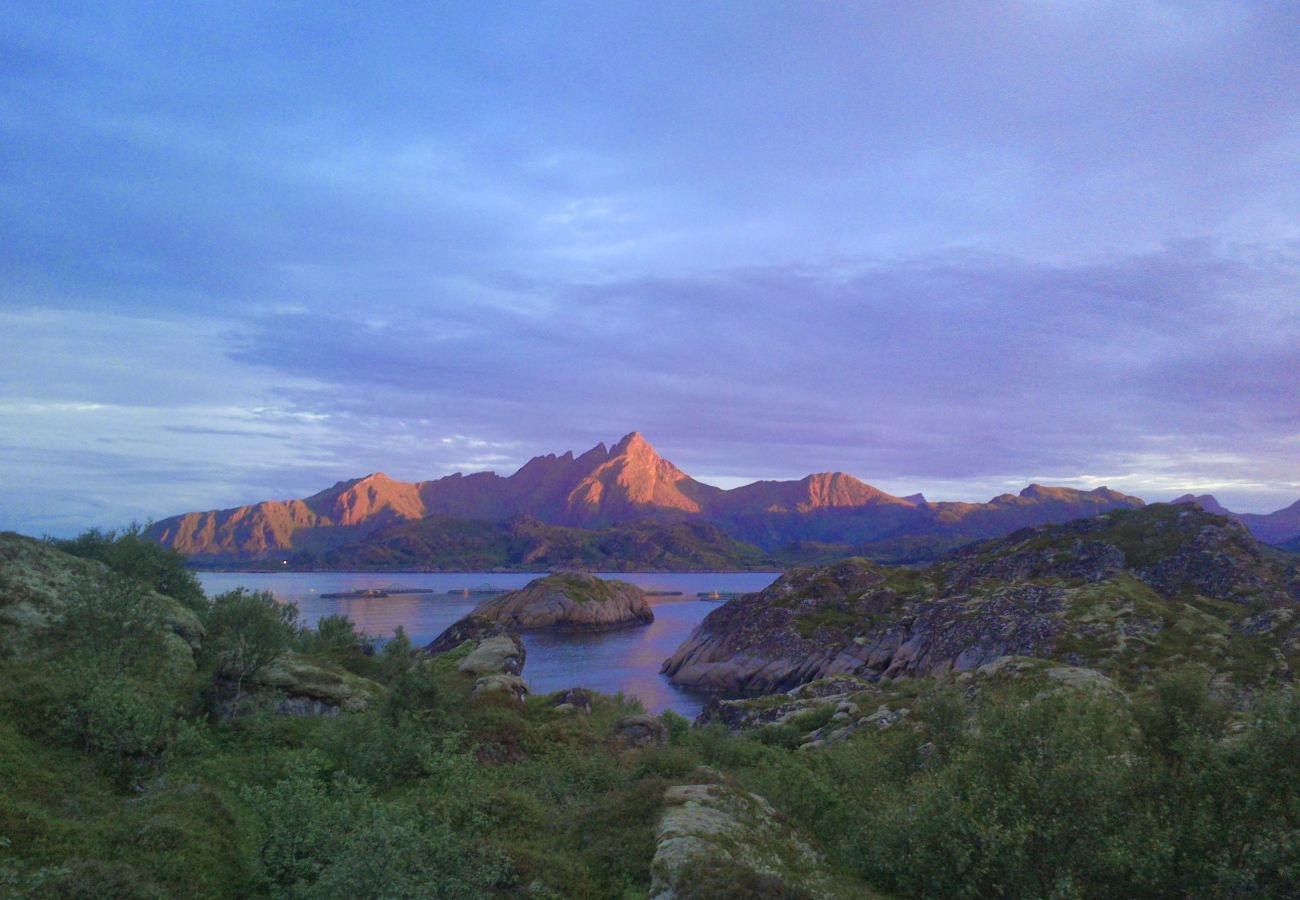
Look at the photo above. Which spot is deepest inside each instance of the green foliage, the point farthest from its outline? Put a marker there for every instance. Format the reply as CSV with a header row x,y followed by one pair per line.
x,y
109,680
727,880
397,657
1178,713
115,625
678,726
128,552
335,639
109,787
334,839
246,631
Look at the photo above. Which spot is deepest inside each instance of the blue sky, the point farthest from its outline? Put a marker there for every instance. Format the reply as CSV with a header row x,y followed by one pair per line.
x,y
252,249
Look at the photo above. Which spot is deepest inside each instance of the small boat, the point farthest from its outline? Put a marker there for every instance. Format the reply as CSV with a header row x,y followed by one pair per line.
x,y
663,593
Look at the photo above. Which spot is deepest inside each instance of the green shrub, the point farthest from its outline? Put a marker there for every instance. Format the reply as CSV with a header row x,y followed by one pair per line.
x,y
128,552
332,839
115,624
246,631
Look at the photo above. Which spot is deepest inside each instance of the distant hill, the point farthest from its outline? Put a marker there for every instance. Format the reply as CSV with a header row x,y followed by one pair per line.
x,y
603,488
1279,527
526,543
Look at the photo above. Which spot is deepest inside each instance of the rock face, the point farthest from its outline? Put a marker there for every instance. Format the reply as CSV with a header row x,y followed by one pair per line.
x,y
715,840
1121,592
312,688
568,602
497,649
632,732
491,653
830,710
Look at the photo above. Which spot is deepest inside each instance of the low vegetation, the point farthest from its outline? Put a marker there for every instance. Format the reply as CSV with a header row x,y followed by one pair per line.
x,y
133,768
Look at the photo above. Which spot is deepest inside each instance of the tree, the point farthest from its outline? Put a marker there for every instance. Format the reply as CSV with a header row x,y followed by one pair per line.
x,y
128,552
247,630
117,623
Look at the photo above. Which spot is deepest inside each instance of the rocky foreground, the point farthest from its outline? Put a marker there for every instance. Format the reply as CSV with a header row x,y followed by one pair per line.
x,y
1125,593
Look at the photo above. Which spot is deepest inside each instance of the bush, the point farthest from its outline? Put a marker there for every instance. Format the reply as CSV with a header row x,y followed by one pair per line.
x,y
117,625
332,839
247,630
128,552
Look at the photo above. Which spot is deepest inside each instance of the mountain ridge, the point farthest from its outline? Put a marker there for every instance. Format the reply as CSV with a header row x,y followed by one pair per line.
x,y
628,482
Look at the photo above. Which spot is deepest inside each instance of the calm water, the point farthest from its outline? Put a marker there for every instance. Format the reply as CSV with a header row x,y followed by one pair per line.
x,y
611,661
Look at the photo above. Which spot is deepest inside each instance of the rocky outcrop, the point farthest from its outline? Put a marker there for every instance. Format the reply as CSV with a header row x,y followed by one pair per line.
x,y
501,684
784,707
716,840
830,710
500,654
574,700
1124,591
496,649
311,687
36,580
488,651
634,732
568,602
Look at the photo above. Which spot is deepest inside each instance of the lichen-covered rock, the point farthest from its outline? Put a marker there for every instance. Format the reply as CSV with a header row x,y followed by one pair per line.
x,y
510,685
488,651
568,602
633,732
299,677
470,628
778,709
573,700
712,831
501,654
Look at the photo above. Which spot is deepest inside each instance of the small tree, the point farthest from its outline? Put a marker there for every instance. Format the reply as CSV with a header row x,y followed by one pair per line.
x,y
397,657
129,552
247,630
116,623
335,637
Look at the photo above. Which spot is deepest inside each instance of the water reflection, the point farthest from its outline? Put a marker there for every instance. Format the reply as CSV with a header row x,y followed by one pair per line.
x,y
627,660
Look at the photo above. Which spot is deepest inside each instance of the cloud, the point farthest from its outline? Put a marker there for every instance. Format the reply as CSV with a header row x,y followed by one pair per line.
x,y
249,252
969,368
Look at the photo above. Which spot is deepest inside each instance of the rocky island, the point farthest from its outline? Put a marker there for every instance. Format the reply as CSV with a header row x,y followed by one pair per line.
x,y
569,601
1126,592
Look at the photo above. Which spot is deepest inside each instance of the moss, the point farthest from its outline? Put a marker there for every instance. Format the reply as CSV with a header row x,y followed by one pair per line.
x,y
832,618
909,583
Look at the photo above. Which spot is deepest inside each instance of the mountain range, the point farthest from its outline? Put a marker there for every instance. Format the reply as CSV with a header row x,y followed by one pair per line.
x,y
630,482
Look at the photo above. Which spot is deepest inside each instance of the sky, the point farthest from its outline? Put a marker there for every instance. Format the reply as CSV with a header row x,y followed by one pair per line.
x,y
248,250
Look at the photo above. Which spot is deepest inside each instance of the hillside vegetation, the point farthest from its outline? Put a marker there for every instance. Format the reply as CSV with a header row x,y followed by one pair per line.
x,y
155,743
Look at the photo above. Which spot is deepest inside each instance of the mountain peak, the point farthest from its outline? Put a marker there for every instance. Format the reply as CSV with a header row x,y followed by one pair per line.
x,y
1206,502
631,444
